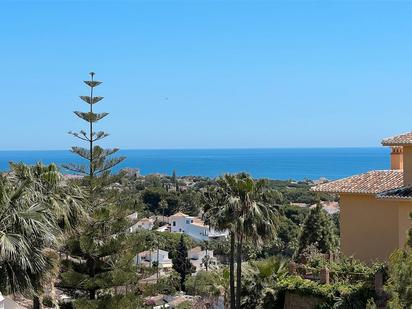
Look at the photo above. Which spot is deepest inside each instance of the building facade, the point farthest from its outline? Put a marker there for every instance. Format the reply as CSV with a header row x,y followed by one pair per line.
x,y
193,227
375,206
147,258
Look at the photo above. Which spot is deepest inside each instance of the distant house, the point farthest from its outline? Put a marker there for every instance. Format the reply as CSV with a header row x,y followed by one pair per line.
x,y
133,217
147,258
156,302
175,300
163,228
7,303
197,256
194,227
329,206
375,206
142,224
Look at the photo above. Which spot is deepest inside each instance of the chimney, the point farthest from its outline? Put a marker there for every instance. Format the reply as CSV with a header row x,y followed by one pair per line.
x,y
396,158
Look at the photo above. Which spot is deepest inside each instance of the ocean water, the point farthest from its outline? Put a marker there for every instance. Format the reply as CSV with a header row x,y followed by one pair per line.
x,y
279,163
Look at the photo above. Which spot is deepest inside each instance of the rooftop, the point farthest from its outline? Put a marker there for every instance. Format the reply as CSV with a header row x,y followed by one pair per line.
x,y
179,214
404,193
398,140
146,220
196,249
151,252
372,182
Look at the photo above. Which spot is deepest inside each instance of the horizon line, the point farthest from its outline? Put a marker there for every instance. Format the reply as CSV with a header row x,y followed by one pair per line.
x,y
212,148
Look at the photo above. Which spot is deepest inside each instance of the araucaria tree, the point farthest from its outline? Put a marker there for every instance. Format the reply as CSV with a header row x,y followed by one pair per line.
x,y
317,231
97,255
181,263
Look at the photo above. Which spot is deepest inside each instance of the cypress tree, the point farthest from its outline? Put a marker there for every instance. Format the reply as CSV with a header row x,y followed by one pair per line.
x,y
181,262
317,231
175,181
96,255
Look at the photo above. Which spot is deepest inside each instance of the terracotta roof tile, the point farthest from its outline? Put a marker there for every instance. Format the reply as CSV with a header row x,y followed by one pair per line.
x,y
398,140
372,182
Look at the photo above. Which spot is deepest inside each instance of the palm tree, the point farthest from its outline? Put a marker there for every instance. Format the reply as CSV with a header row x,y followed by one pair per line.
x,y
37,208
163,205
246,213
26,227
259,277
61,201
255,220
219,211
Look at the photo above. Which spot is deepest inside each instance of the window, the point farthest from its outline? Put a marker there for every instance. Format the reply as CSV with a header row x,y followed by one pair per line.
x,y
180,230
174,223
187,221
191,221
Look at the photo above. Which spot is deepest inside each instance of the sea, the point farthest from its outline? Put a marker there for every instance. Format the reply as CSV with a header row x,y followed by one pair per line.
x,y
276,163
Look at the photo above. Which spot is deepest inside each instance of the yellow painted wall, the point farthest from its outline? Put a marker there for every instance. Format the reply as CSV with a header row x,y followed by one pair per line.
x,y
371,229
404,210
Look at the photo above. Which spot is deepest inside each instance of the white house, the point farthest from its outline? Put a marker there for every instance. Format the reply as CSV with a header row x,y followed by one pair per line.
x,y
197,255
163,228
142,224
133,217
194,227
7,303
147,258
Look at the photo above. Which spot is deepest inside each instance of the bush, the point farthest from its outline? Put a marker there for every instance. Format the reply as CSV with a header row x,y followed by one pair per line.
x,y
47,301
204,283
399,284
167,285
338,295
129,301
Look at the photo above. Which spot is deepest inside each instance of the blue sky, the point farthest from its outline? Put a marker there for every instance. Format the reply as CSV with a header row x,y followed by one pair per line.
x,y
207,74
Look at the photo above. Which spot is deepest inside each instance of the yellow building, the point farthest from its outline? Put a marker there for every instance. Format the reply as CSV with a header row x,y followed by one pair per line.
x,y
375,206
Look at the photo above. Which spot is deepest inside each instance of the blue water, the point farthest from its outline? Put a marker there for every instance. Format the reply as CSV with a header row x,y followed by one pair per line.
x,y
296,163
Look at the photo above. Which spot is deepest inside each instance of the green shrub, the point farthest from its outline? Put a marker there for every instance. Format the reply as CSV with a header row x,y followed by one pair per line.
x,y
338,295
129,301
47,301
399,284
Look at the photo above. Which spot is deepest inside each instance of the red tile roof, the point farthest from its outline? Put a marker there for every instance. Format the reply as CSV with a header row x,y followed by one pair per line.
x,y
399,140
369,183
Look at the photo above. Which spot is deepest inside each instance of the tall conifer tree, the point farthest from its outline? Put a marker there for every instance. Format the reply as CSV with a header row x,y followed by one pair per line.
x,y
97,253
181,263
317,231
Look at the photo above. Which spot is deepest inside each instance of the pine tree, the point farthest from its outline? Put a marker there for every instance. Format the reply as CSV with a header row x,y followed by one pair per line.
x,y
317,231
97,254
181,263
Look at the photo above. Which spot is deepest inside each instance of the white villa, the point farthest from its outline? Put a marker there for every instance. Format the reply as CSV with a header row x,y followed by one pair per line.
x,y
7,303
196,256
145,224
147,258
194,227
